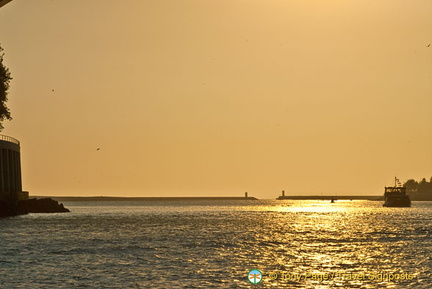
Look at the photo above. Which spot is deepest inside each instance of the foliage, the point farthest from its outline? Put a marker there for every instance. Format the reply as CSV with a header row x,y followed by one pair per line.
x,y
422,188
5,79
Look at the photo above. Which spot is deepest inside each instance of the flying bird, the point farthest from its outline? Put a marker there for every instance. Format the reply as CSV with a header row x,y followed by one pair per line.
x,y
428,45
98,149
52,90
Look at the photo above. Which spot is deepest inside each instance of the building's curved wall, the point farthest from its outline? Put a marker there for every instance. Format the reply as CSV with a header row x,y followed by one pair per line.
x,y
10,169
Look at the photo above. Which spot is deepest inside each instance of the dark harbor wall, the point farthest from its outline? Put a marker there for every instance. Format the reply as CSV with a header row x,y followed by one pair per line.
x,y
10,168
10,175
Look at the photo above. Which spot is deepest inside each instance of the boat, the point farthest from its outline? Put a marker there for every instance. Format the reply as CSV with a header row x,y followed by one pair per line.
x,y
396,196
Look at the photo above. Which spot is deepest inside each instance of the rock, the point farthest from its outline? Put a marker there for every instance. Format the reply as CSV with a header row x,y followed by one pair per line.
x,y
6,210
45,205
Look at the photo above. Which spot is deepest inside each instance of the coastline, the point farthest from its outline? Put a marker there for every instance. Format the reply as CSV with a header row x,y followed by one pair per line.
x,y
369,198
145,199
158,199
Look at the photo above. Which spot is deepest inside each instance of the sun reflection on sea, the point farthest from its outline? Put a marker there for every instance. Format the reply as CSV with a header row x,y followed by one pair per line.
x,y
313,206
320,206
356,242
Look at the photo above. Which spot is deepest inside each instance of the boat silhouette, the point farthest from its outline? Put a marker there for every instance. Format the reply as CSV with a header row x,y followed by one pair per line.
x,y
396,196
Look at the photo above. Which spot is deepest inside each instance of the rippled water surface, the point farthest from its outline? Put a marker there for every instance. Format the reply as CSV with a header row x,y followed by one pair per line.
x,y
212,244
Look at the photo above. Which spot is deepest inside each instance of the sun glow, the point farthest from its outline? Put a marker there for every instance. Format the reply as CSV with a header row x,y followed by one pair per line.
x,y
320,206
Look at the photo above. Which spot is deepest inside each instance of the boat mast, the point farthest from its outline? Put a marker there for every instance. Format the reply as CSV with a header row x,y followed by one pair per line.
x,y
397,182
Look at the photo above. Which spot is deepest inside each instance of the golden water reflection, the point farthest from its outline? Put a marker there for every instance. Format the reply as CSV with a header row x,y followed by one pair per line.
x,y
317,206
345,239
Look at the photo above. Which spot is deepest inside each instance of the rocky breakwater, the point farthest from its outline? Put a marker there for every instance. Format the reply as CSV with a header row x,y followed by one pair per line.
x,y
44,205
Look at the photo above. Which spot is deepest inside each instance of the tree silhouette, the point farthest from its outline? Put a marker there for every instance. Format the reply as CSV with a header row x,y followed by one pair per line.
x,y
5,78
419,190
412,186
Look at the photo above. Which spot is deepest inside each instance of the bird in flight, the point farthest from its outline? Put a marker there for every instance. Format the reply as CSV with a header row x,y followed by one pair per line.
x,y
428,45
98,149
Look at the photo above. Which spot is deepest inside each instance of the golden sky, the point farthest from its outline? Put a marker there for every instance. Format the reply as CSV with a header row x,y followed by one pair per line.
x,y
219,97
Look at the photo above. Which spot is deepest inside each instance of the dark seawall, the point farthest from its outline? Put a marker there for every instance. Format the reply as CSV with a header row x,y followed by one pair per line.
x,y
149,199
370,198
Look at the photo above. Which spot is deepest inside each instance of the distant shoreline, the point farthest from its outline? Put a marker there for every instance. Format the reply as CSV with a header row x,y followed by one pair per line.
x,y
159,199
370,198
156,199
145,199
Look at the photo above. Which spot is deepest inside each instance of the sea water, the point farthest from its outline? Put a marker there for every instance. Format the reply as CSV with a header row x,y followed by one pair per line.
x,y
216,244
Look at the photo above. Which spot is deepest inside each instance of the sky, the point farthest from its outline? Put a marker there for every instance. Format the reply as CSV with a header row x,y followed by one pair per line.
x,y
219,97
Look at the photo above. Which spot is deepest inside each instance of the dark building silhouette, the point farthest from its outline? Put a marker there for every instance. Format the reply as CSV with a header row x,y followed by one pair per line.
x,y
10,171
